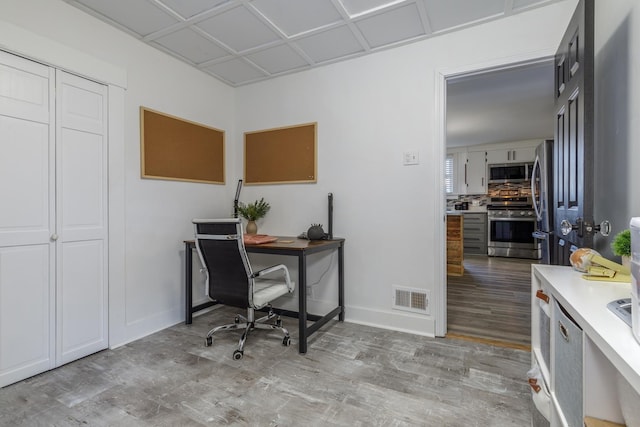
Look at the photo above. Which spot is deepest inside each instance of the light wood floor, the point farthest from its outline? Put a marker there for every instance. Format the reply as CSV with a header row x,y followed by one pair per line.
x,y
492,300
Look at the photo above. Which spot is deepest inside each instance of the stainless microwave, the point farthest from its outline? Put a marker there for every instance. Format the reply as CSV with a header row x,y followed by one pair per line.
x,y
510,172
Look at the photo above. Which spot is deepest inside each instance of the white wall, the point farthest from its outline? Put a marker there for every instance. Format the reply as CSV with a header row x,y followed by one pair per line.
x,y
617,90
369,111
151,217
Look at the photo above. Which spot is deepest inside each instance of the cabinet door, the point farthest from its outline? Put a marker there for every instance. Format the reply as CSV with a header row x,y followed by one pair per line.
x,y
513,155
524,154
476,172
498,156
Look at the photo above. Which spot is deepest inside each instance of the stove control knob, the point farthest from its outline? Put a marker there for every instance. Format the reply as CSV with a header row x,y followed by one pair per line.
x,y
522,213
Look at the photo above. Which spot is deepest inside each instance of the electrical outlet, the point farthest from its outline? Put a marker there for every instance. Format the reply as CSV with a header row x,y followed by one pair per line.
x,y
411,158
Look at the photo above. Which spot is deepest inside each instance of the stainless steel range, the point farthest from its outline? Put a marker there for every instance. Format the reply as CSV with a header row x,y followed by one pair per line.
x,y
512,221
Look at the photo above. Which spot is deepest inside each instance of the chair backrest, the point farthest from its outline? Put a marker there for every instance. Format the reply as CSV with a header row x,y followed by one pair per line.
x,y
221,250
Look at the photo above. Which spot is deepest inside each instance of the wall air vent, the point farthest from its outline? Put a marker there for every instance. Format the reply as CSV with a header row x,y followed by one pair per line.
x,y
407,299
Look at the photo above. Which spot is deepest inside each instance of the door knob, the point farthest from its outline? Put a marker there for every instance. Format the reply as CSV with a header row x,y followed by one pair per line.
x,y
54,237
566,227
583,227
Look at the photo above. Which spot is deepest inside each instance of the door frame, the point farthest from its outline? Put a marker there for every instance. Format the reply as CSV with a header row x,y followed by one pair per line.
x,y
440,138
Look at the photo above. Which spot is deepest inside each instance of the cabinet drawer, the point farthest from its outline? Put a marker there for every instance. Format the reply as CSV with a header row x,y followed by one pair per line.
x,y
479,218
567,355
477,249
475,237
475,228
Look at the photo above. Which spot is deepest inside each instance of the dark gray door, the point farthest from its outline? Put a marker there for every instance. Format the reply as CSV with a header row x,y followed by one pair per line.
x,y
574,135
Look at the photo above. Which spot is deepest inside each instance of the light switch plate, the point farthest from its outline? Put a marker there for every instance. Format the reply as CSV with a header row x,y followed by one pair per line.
x,y
411,158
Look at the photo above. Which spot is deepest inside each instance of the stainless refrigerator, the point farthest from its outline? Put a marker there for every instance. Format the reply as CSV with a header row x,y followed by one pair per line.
x,y
542,194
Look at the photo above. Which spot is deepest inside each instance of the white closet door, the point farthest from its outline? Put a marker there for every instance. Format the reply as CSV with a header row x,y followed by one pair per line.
x,y
81,193
27,311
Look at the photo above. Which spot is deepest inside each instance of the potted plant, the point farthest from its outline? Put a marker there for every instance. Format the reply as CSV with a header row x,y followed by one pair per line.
x,y
621,246
252,212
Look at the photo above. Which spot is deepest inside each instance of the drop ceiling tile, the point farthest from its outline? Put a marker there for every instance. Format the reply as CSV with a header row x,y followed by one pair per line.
x,y
523,4
299,16
278,59
390,27
331,44
452,13
139,16
190,8
235,71
188,44
358,7
239,29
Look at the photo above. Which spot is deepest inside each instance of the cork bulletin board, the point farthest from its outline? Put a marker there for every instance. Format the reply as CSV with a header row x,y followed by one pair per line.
x,y
281,155
177,149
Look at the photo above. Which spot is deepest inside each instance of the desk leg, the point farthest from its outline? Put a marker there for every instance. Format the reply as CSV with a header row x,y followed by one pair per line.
x,y
188,283
302,305
341,282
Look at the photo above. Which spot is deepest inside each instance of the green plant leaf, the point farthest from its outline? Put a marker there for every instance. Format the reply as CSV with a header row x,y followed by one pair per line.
x,y
621,244
254,211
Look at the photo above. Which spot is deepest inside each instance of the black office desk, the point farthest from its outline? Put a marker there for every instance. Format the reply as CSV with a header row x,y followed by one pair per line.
x,y
289,246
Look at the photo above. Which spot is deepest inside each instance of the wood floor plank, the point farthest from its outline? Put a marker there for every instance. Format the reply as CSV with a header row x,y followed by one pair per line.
x,y
491,300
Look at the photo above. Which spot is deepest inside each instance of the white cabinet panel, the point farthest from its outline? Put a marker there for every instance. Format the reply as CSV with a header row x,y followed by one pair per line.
x,y
511,155
476,172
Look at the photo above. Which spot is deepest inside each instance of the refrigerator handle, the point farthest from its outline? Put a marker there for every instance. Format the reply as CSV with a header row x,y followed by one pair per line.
x,y
536,198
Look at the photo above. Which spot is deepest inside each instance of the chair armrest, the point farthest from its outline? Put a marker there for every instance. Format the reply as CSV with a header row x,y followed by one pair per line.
x,y
273,269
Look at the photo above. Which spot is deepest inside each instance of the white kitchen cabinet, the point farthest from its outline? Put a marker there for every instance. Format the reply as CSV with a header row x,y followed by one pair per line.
x,y
511,155
458,165
597,343
476,175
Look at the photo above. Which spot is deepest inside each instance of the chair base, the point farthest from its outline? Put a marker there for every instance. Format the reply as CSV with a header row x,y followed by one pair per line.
x,y
249,323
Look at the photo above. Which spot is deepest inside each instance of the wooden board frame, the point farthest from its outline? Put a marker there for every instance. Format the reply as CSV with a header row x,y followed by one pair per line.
x,y
172,148
282,155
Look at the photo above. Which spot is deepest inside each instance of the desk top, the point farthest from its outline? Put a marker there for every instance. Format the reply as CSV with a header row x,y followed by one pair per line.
x,y
292,244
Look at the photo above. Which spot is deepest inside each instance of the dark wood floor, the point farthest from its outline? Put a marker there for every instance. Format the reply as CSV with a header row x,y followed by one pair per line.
x,y
492,300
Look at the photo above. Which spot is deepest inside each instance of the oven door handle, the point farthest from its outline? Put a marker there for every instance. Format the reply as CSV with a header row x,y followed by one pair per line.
x,y
516,219
539,235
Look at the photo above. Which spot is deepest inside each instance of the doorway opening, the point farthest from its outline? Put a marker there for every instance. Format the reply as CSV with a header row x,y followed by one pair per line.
x,y
487,108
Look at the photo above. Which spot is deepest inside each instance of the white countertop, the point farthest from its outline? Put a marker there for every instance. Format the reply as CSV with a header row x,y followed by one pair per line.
x,y
586,301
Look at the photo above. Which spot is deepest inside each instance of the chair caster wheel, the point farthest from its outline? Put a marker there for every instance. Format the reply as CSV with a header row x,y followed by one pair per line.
x,y
286,341
237,355
208,341
237,319
279,322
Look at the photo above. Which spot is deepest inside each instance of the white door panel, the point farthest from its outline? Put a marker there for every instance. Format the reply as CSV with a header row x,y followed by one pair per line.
x,y
53,218
83,320
24,88
82,105
27,259
81,188
82,175
26,312
24,183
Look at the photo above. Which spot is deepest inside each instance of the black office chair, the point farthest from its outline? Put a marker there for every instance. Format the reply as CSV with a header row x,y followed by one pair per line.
x,y
231,281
